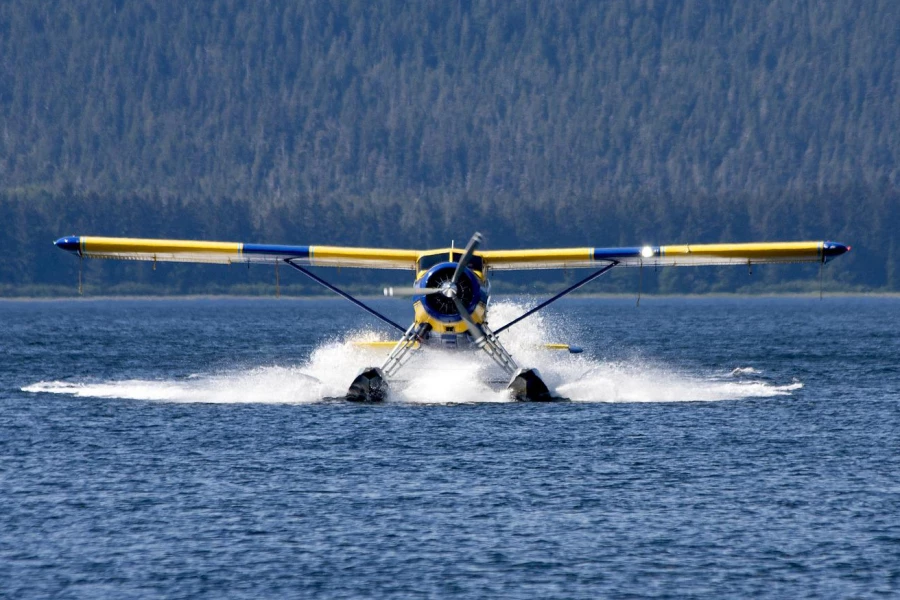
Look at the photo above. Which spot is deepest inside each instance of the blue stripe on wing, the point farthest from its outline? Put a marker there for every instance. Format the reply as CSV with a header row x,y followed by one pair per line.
x,y
616,253
276,250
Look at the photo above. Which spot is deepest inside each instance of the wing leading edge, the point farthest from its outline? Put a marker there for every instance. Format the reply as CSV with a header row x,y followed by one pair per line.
x,y
381,258
236,252
665,256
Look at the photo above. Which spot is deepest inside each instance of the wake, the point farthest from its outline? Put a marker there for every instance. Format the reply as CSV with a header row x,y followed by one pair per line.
x,y
435,377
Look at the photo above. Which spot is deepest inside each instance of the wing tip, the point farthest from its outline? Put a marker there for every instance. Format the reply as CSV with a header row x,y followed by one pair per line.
x,y
69,244
834,249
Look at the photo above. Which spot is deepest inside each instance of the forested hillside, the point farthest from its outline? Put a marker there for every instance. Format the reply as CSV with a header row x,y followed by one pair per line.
x,y
413,123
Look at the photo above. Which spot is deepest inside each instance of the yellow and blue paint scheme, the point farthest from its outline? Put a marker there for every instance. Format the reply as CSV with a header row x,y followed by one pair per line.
x,y
433,267
664,256
237,252
454,326
411,260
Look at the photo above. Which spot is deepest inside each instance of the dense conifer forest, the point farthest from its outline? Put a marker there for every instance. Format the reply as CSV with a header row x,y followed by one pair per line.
x,y
413,123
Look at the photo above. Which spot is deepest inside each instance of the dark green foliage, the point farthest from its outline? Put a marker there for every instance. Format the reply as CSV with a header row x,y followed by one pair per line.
x,y
413,123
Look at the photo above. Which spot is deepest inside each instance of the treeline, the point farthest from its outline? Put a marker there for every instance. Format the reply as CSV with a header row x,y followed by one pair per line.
x,y
859,216
412,123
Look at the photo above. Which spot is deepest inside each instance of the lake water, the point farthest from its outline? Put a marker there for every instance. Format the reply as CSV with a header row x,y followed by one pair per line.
x,y
711,447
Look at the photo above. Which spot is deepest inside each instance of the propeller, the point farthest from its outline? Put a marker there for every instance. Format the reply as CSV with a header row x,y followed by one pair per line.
x,y
466,257
410,291
449,288
473,327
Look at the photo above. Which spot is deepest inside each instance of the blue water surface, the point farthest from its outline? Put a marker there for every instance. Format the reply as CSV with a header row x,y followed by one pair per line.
x,y
713,448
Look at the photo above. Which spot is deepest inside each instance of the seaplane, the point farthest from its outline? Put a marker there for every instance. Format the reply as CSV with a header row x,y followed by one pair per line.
x,y
451,287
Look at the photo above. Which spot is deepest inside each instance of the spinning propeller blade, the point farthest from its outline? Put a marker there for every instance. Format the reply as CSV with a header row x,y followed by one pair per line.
x,y
410,291
466,257
473,327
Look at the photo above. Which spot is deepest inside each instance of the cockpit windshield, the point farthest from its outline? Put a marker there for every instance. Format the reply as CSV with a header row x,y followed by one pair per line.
x,y
429,260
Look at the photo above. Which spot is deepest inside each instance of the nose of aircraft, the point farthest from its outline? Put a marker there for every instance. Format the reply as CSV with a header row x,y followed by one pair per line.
x,y
833,250
69,244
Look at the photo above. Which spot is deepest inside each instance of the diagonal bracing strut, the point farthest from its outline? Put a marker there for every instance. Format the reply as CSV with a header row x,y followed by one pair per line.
x,y
344,294
571,288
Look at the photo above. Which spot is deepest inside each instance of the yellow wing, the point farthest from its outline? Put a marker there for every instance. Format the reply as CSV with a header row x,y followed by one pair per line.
x,y
383,258
664,256
237,252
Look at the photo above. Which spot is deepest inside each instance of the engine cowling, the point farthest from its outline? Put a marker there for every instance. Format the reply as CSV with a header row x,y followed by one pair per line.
x,y
469,290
